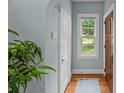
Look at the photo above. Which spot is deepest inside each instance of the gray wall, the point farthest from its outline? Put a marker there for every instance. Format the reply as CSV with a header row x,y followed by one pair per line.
x,y
107,4
35,20
51,45
87,7
27,17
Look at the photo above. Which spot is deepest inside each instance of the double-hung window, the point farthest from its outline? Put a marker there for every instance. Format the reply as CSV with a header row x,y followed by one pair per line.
x,y
88,35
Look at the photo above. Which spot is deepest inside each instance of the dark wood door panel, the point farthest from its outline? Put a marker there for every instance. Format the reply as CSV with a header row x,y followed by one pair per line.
x,y
109,50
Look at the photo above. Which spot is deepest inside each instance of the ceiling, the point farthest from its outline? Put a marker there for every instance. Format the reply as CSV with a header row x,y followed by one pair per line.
x,y
87,0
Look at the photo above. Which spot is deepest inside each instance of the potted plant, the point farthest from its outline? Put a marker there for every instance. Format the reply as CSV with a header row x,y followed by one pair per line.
x,y
24,64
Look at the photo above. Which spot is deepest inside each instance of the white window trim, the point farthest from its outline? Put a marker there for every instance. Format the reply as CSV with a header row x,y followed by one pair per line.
x,y
79,56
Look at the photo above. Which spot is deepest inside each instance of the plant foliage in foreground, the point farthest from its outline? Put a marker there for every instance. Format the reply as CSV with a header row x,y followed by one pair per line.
x,y
24,63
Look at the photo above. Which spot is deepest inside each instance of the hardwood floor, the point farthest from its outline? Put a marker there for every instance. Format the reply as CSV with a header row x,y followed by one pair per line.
x,y
102,82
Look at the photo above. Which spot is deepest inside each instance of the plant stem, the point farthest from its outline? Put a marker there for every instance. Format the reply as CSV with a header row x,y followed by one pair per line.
x,y
18,87
25,88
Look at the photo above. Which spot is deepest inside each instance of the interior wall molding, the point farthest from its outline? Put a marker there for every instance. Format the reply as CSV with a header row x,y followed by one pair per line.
x,y
87,71
87,0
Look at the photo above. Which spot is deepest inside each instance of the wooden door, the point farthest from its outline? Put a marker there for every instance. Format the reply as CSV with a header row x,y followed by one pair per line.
x,y
109,50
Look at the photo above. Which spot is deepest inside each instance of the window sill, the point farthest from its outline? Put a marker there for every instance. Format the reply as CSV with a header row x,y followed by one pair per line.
x,y
88,57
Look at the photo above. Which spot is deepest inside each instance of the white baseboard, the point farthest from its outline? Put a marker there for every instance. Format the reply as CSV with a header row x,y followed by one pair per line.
x,y
87,71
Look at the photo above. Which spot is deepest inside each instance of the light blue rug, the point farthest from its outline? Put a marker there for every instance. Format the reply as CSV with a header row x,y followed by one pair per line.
x,y
87,85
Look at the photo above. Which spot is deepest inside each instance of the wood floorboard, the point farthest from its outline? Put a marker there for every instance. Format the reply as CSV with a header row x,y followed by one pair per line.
x,y
75,77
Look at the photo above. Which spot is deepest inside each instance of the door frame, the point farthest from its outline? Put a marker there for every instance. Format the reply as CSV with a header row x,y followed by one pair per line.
x,y
112,8
59,58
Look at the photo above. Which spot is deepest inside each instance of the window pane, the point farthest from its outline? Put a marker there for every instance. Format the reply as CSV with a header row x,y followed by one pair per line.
x,y
88,44
91,22
85,30
88,40
91,41
85,40
88,25
85,23
88,49
91,30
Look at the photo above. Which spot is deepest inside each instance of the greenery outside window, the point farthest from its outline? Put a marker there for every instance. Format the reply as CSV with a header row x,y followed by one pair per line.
x,y
88,37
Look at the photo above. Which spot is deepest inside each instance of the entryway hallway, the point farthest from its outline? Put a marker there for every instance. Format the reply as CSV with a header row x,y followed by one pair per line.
x,y
75,77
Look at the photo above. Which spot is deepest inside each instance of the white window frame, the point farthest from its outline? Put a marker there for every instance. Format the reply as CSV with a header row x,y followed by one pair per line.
x,y
79,26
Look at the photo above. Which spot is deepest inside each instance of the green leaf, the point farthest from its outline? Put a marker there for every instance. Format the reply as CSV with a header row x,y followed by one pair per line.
x,y
25,70
47,67
18,41
13,32
13,43
44,72
13,82
32,58
28,78
39,51
25,62
40,62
